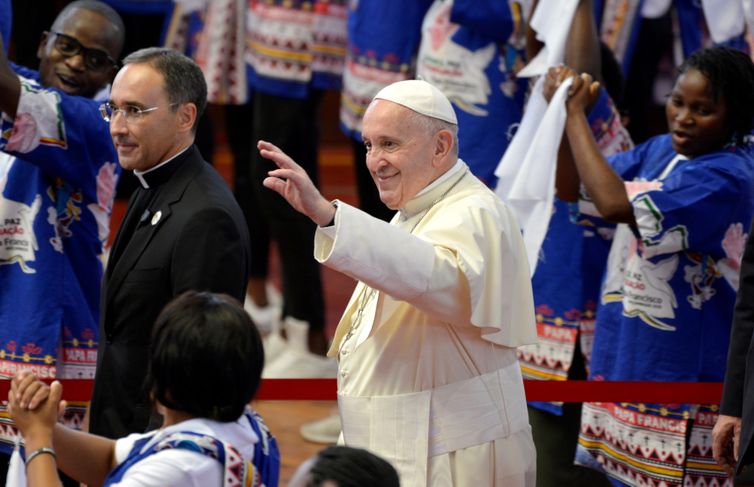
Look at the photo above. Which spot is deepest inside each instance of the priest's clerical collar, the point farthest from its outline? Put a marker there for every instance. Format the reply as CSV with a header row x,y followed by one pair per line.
x,y
157,175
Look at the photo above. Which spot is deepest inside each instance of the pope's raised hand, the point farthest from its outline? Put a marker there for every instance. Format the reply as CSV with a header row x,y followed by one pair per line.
x,y
291,182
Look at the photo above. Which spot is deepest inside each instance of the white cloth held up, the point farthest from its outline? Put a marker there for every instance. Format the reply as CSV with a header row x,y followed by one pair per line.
x,y
16,468
527,170
727,19
552,21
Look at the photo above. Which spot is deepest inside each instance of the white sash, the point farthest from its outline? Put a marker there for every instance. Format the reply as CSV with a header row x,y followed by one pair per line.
x,y
407,429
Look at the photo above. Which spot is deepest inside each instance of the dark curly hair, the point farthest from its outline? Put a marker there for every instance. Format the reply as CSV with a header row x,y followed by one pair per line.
x,y
731,75
205,356
346,466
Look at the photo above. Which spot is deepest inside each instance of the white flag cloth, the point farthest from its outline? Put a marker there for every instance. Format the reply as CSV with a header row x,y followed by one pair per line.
x,y
188,6
726,18
16,468
552,21
654,9
527,171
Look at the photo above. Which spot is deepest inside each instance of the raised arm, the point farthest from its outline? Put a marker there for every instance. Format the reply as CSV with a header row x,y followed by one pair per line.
x,y
533,45
582,56
583,45
604,186
10,86
566,176
85,457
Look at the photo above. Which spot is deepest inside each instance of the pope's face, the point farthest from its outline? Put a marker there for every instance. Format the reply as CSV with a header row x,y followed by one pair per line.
x,y
399,153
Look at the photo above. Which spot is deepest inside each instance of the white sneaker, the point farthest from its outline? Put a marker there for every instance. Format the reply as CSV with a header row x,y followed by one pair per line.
x,y
265,317
290,358
262,316
273,295
295,364
326,430
274,344
297,332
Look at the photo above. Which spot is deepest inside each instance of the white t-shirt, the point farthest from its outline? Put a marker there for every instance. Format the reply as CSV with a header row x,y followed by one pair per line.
x,y
179,467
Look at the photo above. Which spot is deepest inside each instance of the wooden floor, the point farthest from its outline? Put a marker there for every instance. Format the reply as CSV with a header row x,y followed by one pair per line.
x,y
284,419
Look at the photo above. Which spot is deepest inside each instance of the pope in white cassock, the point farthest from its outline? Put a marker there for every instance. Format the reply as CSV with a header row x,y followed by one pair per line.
x,y
428,377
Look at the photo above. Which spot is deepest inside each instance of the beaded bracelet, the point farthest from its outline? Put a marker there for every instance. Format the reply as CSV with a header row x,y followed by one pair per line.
x,y
39,451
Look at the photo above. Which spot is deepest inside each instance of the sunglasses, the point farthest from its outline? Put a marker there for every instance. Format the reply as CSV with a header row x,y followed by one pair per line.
x,y
94,59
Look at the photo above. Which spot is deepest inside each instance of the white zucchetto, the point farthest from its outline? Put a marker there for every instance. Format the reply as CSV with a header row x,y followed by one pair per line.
x,y
421,97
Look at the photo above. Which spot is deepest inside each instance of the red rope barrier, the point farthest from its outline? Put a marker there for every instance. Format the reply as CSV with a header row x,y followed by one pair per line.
x,y
565,391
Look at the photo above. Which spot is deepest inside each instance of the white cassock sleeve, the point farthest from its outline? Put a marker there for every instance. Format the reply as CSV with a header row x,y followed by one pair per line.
x,y
467,266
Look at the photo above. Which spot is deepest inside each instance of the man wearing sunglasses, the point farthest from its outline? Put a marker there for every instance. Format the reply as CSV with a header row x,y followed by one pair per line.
x,y
58,172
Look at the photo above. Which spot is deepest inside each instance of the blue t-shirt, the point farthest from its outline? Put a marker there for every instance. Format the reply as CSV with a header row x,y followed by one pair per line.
x,y
6,21
669,292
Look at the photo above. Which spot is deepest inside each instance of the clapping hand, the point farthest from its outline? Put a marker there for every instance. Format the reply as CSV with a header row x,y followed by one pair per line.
x,y
33,405
582,93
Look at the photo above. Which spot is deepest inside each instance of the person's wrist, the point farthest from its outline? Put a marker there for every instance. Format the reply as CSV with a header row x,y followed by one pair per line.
x,y
573,108
37,436
328,214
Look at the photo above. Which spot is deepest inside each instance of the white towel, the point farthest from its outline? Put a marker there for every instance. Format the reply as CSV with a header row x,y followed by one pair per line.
x,y
654,9
16,468
527,171
188,6
552,21
725,18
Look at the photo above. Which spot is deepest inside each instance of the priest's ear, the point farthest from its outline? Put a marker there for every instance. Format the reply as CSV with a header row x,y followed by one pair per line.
x,y
187,117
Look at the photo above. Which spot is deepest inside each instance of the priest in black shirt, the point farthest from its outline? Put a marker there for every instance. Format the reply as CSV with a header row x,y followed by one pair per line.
x,y
182,229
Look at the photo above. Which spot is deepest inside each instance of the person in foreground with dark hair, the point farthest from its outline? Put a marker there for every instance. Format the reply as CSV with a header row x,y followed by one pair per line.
x,y
204,367
344,466
682,203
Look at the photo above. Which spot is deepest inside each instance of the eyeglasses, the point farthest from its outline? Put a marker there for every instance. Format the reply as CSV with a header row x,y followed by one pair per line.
x,y
94,59
130,113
